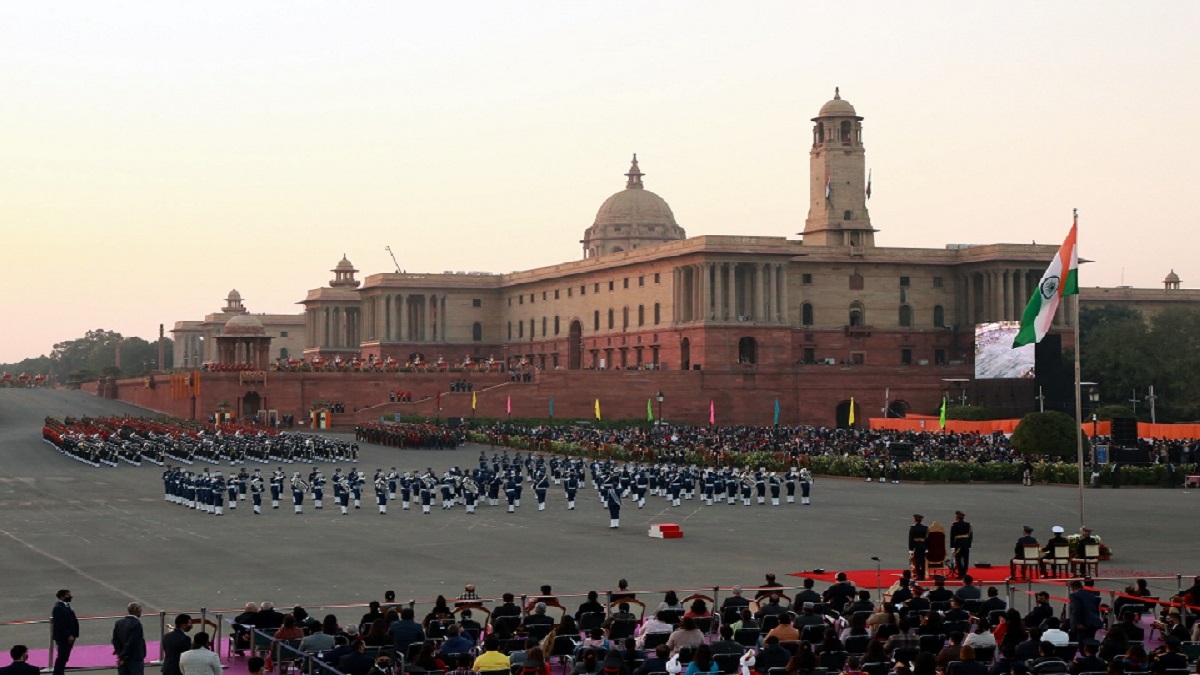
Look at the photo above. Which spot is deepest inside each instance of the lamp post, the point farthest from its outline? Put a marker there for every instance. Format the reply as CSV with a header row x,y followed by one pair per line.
x,y
660,398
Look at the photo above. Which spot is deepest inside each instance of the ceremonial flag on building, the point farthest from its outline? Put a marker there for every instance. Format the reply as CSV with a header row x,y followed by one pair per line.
x,y
776,423
828,188
1061,279
509,406
551,407
597,408
437,401
474,401
851,421
942,417
649,411
868,184
712,412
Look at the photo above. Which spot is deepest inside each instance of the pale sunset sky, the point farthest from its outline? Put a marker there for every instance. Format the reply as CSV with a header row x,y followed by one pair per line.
x,y
154,155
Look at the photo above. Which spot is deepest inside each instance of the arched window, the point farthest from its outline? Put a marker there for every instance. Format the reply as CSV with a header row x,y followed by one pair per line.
x,y
477,332
747,350
905,316
806,314
939,316
846,132
657,313
820,132
858,317
641,315
611,318
283,352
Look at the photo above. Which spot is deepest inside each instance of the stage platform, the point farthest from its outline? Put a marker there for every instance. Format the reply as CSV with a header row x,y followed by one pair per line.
x,y
869,579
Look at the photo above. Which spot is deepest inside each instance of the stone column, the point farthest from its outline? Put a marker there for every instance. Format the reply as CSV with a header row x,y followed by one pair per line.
x,y
986,305
969,319
1006,294
783,294
442,317
760,305
733,292
718,296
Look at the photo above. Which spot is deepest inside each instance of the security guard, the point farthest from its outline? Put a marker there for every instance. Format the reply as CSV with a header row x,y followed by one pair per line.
x,y
918,532
961,537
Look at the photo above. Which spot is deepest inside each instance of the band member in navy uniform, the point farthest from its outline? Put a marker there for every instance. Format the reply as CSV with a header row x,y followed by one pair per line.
x,y
760,486
318,488
299,487
381,494
276,487
612,499
218,494
571,487
392,478
806,481
427,485
343,482
510,492
540,485
470,491
406,489
789,484
256,491
357,480
773,485
961,538
518,486
918,532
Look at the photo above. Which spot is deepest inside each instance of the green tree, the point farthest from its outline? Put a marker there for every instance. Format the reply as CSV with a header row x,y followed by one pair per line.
x,y
969,412
1114,412
1046,433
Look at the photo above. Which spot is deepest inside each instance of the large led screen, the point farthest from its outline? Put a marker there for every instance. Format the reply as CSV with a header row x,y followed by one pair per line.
x,y
995,358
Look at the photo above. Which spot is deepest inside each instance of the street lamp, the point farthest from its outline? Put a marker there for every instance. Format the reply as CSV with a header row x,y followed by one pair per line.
x,y
660,398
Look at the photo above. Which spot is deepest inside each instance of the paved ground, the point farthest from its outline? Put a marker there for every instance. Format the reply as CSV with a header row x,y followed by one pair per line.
x,y
108,535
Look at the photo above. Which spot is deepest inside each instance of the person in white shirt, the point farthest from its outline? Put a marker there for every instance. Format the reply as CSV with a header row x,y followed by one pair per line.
x,y
1053,634
981,638
200,660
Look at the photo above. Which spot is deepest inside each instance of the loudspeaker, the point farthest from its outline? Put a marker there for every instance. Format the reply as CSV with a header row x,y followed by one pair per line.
x,y
901,452
1125,432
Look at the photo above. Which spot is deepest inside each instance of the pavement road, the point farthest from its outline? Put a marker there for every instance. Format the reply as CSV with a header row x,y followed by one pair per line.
x,y
107,534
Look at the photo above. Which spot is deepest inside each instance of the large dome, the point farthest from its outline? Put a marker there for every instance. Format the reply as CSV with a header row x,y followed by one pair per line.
x,y
243,324
635,206
837,107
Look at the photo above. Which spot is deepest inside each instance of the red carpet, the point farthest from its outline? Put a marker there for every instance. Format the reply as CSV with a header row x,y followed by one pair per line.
x,y
868,579
101,656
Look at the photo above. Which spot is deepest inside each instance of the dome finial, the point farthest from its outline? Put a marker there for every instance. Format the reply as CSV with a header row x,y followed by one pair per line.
x,y
635,175
837,93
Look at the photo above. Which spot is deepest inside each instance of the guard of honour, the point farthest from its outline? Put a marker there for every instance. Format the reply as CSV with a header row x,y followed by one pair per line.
x,y
500,478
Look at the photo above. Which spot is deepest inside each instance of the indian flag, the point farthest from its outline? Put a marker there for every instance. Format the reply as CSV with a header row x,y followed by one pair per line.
x,y
1061,279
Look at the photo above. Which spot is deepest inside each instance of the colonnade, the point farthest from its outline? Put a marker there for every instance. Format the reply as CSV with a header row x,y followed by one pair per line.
x,y
731,291
1001,295
255,350
405,317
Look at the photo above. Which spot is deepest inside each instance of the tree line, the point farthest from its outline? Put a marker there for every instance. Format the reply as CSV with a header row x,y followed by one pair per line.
x,y
93,356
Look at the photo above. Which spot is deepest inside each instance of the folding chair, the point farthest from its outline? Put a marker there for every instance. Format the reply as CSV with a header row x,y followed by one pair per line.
x,y
1088,563
985,654
590,620
728,663
856,645
655,639
1059,559
1031,559
747,637
877,668
833,661
621,629
1067,652
932,643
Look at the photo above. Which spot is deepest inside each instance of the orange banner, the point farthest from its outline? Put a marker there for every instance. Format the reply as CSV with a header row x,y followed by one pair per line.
x,y
923,423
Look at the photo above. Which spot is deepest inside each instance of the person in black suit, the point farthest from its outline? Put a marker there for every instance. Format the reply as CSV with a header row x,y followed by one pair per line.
x,y
1019,550
175,643
18,666
64,630
918,532
129,642
269,619
1083,608
961,538
356,662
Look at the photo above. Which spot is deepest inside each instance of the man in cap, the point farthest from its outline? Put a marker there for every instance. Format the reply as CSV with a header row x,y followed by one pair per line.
x,y
1057,540
1019,550
961,537
918,532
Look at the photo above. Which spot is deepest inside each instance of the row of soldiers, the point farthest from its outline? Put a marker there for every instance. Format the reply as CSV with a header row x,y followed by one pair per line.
x,y
134,447
407,435
502,479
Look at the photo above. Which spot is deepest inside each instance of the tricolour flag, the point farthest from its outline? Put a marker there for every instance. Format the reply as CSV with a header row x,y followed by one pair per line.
x,y
851,420
597,408
649,411
942,417
1061,279
828,188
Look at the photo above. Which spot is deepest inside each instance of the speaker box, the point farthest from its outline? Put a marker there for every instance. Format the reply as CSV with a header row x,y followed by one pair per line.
x,y
1125,432
901,452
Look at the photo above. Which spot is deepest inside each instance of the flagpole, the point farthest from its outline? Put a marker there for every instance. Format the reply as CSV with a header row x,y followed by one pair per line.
x,y
1078,392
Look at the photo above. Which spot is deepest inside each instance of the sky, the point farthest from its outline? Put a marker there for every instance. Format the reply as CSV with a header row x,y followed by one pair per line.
x,y
154,155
